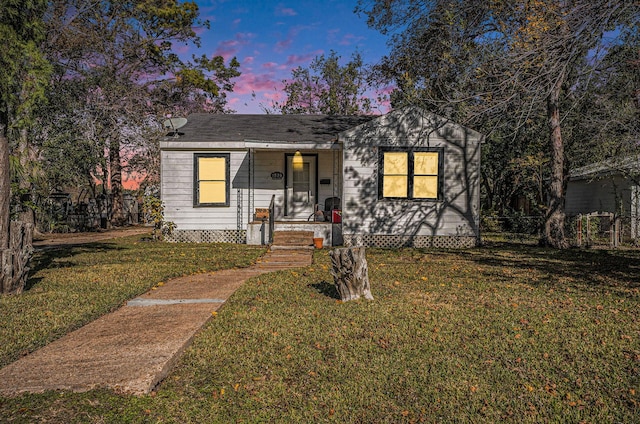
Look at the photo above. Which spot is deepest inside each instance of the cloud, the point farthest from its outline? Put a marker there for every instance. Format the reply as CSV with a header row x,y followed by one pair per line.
x,y
349,39
270,65
182,49
346,40
268,100
380,98
388,89
332,35
283,45
207,12
274,95
292,35
226,52
199,30
229,43
295,60
241,10
248,60
285,11
250,82
230,48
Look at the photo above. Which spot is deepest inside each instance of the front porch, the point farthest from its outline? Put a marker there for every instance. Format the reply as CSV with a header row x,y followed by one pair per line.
x,y
286,198
300,180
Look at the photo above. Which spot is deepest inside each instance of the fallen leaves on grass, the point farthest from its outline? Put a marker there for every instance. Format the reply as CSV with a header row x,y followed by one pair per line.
x,y
417,344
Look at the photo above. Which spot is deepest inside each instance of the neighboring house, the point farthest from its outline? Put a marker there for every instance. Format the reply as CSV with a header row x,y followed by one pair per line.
x,y
408,178
611,186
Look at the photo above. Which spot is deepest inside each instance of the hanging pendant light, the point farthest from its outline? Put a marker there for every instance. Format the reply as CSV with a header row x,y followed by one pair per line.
x,y
297,161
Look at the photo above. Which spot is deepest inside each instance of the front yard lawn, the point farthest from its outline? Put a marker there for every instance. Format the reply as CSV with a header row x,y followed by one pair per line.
x,y
500,333
71,286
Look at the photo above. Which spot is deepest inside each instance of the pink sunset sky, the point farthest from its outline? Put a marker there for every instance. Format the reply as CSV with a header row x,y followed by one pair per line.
x,y
270,38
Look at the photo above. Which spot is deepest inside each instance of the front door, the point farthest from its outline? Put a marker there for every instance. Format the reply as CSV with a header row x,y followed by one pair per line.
x,y
301,187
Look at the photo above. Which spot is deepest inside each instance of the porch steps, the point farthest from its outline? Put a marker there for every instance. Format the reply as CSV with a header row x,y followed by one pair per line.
x,y
292,240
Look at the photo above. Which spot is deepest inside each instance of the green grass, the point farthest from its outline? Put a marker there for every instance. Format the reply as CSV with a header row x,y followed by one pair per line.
x,y
71,286
501,333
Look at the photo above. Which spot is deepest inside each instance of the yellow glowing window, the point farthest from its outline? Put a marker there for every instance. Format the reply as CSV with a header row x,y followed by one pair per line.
x,y
212,180
425,163
425,175
411,174
395,174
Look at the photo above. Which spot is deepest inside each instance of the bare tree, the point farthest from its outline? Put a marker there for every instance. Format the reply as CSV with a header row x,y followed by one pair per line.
x,y
501,63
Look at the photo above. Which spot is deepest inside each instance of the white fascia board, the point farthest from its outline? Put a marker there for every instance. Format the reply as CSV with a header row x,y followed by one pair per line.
x,y
202,145
288,145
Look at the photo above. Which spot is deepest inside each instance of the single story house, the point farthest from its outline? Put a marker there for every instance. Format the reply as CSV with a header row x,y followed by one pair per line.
x,y
611,186
407,178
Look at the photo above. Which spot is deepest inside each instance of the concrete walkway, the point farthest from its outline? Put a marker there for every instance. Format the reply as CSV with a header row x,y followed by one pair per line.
x,y
58,240
132,349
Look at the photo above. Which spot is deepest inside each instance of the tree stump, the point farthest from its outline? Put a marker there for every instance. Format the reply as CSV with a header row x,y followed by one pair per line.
x,y
350,273
14,262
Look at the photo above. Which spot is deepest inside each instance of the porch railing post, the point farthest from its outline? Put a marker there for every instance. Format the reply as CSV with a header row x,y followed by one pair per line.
x,y
272,218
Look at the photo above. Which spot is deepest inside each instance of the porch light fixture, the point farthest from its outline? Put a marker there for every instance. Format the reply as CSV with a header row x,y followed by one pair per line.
x,y
297,161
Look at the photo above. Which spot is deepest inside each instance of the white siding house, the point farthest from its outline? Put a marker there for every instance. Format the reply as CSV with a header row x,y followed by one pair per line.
x,y
607,187
408,178
440,204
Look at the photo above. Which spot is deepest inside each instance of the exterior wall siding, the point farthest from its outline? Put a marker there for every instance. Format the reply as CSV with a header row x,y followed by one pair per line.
x,y
613,194
326,172
390,222
218,223
177,192
265,163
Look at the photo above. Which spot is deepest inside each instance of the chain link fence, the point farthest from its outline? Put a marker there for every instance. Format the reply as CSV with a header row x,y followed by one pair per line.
x,y
596,230
519,228
58,213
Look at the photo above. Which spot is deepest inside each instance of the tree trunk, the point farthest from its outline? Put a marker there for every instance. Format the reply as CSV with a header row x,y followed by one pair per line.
x,y
5,190
350,273
115,167
555,219
11,279
14,261
28,160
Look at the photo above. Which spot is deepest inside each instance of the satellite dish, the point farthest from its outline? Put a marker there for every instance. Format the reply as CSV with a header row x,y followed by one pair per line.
x,y
174,123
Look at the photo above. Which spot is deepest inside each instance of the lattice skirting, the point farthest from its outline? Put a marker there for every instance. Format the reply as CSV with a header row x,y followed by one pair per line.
x,y
207,236
390,241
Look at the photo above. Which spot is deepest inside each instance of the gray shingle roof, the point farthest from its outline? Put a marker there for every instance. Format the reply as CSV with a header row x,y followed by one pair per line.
x,y
614,166
288,128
